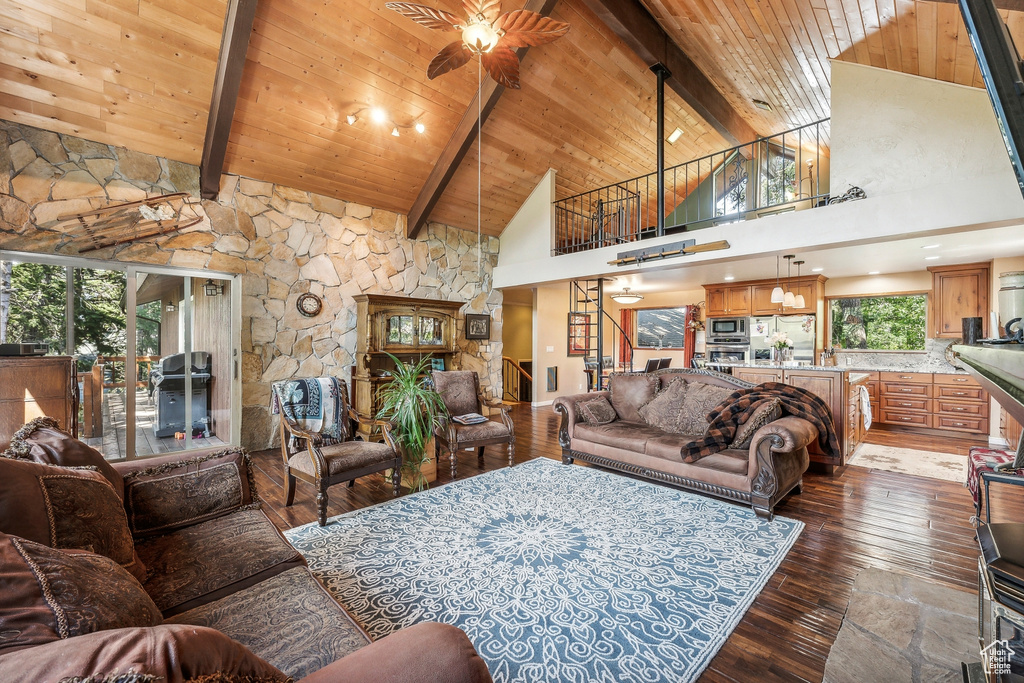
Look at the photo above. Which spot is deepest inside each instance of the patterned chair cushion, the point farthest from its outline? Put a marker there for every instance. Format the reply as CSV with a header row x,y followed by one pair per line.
x,y
597,411
480,432
287,620
43,441
174,492
66,508
201,563
769,412
50,594
699,400
662,411
342,457
458,389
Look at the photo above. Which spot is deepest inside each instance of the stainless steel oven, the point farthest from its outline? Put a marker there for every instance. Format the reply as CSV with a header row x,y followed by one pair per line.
x,y
728,353
728,327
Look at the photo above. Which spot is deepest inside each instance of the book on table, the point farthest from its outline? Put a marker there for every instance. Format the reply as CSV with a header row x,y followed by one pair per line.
x,y
469,419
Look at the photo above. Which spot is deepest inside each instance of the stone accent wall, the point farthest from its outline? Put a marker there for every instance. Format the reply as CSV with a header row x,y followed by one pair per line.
x,y
283,242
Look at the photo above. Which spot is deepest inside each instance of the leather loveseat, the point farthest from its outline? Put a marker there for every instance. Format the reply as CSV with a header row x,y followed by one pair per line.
x,y
644,437
207,585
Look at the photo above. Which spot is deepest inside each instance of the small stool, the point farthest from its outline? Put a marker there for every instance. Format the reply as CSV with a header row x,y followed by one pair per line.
x,y
985,460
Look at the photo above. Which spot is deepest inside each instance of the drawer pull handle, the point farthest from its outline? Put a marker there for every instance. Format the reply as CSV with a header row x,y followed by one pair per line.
x,y
958,424
904,418
960,410
959,379
959,393
906,390
906,404
906,377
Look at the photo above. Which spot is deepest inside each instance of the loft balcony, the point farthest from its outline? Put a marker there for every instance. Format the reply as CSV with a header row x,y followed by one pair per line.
x,y
784,172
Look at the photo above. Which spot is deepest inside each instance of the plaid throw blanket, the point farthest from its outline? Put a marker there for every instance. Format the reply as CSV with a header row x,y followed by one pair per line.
x,y
728,415
312,405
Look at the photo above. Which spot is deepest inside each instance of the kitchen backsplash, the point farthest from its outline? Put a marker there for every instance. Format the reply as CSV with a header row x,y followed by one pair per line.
x,y
932,360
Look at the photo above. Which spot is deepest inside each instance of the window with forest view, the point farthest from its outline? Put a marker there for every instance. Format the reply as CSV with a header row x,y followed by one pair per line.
x,y
879,323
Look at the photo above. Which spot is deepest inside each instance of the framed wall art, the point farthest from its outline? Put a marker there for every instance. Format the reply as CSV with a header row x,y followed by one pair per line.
x,y
478,326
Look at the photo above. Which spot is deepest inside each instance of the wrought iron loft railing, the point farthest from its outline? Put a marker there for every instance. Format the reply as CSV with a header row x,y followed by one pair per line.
x,y
783,172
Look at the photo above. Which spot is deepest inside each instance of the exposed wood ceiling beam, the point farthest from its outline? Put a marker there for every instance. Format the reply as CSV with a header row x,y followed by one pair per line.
x,y
631,21
462,139
233,45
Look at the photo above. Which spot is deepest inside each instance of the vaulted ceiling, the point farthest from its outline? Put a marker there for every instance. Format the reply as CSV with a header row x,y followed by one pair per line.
x,y
140,73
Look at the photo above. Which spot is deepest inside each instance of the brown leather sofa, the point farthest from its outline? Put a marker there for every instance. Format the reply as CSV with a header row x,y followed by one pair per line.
x,y
234,597
759,475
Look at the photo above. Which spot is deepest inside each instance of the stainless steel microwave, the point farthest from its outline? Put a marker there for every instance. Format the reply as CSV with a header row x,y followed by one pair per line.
x,y
728,327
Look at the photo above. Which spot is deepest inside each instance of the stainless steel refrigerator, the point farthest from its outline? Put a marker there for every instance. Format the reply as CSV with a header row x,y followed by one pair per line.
x,y
799,328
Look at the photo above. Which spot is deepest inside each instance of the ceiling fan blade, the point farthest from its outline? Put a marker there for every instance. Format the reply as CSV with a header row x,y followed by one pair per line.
x,y
451,56
524,28
427,16
503,66
489,8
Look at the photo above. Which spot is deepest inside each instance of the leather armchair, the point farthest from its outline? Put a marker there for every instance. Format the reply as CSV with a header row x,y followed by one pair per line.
x,y
460,391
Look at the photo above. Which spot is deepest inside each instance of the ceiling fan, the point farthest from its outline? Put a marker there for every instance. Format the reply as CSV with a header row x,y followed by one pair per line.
x,y
487,33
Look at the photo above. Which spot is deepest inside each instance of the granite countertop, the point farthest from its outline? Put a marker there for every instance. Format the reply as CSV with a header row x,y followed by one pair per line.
x,y
857,367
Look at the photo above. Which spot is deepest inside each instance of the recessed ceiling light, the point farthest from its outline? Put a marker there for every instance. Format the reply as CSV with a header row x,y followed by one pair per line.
x,y
729,278
378,115
817,270
420,128
874,272
931,258
761,104
931,246
675,135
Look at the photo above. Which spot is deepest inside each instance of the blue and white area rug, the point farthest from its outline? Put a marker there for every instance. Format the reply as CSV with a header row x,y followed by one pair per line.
x,y
556,572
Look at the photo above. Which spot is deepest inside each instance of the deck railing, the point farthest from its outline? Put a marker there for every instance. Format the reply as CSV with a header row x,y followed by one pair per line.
x,y
104,375
783,172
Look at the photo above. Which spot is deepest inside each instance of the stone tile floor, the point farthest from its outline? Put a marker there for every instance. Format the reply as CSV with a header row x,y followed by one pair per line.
x,y
904,630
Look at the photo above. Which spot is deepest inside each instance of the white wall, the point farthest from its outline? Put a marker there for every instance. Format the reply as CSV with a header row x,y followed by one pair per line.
x,y
892,132
529,235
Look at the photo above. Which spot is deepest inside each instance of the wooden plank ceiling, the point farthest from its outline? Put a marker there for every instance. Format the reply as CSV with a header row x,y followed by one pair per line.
x,y
136,73
139,73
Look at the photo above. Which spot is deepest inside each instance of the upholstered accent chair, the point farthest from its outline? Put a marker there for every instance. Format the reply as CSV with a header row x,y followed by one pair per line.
x,y
460,391
322,450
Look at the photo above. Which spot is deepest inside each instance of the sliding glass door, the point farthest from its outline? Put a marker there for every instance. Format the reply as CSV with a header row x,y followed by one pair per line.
x,y
157,349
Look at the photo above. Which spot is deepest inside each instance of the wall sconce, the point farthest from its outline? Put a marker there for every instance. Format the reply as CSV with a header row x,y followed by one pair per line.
x,y
170,308
211,288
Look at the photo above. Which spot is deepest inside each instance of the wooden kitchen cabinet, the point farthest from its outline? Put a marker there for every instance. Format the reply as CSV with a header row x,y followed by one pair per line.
x,y
758,375
958,292
945,402
34,386
727,301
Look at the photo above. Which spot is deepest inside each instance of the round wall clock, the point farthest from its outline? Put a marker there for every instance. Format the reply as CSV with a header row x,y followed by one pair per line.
x,y
309,305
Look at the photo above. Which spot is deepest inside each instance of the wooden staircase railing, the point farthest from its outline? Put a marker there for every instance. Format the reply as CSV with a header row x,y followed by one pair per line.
x,y
511,375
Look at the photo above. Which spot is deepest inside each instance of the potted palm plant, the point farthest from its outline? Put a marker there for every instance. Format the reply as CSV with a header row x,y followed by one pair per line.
x,y
414,408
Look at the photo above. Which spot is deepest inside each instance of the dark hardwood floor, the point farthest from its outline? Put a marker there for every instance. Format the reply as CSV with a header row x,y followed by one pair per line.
x,y
856,518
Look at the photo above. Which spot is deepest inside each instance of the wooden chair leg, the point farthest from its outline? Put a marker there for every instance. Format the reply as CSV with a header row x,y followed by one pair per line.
x,y
289,487
480,452
321,502
396,480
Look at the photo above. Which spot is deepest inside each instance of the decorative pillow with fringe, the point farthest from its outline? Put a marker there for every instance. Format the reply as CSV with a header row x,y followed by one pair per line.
x,y
42,440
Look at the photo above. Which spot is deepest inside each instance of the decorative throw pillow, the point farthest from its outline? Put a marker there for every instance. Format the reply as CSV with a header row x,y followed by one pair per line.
x,y
597,411
769,412
174,492
52,594
629,391
699,400
662,411
43,441
66,508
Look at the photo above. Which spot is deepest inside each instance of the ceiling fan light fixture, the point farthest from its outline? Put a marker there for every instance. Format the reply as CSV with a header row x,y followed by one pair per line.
x,y
627,297
394,132
420,128
479,36
378,115
351,118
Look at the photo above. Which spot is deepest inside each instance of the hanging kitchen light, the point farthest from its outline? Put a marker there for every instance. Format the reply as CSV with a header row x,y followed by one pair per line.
x,y
799,303
789,299
777,294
